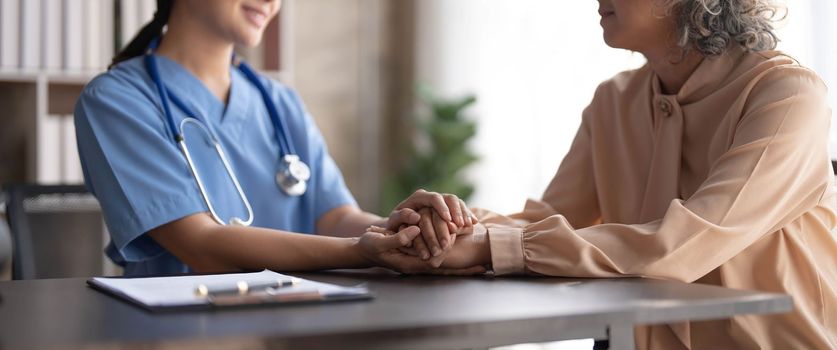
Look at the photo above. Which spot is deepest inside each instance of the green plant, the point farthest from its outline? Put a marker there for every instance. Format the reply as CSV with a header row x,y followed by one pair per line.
x,y
436,156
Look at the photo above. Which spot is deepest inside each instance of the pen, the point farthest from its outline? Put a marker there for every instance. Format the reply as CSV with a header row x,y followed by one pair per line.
x,y
242,287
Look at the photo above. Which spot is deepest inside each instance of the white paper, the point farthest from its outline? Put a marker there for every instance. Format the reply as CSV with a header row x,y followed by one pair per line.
x,y
180,290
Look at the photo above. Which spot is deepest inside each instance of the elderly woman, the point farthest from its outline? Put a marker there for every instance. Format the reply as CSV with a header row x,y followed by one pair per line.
x,y
709,164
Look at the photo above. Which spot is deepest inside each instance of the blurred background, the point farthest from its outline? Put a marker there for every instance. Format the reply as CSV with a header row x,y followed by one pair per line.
x,y
360,65
480,98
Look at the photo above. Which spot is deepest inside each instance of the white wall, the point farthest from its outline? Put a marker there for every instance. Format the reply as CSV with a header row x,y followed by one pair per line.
x,y
809,34
535,64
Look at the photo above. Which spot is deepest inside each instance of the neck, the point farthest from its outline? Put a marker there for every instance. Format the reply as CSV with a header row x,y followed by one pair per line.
x,y
673,68
202,52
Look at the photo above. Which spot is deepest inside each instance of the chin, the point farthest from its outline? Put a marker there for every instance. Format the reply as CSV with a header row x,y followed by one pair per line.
x,y
249,39
609,40
614,41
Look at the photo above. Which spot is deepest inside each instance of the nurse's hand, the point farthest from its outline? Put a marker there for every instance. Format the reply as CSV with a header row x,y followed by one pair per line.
x,y
381,248
468,256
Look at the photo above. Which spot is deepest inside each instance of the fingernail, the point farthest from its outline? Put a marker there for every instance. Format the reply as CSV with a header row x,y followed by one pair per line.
x,y
415,217
436,251
425,255
444,243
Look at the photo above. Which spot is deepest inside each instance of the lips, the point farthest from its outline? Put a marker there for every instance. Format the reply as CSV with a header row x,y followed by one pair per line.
x,y
604,12
255,16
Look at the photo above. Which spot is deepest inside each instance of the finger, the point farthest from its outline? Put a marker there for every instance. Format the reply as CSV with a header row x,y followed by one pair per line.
x,y
421,248
437,261
428,232
420,243
404,263
405,216
379,229
442,231
455,207
409,251
468,213
452,228
400,239
422,198
401,227
438,203
470,218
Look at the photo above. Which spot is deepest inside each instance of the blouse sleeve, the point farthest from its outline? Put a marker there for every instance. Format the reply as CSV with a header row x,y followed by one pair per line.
x,y
771,174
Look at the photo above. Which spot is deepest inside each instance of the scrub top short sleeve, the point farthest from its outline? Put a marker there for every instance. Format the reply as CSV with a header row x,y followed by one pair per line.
x,y
140,179
328,188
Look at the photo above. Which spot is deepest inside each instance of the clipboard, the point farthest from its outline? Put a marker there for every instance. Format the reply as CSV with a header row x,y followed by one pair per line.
x,y
179,292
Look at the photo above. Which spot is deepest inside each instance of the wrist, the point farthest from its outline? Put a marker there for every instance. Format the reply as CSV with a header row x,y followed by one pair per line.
x,y
357,255
484,251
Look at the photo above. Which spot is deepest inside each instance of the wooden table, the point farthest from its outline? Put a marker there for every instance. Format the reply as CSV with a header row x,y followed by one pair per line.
x,y
408,312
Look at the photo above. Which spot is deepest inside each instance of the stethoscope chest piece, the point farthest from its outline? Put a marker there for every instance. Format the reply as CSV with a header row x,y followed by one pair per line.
x,y
293,175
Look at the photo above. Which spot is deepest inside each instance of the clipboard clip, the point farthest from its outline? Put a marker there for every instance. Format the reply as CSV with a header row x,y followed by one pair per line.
x,y
266,297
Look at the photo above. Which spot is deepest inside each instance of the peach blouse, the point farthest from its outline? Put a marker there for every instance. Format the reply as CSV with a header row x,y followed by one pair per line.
x,y
728,182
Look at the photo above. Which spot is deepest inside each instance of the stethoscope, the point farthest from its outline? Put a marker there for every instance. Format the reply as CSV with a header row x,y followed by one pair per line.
x,y
293,174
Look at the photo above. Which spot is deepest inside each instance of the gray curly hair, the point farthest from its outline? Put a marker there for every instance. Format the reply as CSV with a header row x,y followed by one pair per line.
x,y
709,26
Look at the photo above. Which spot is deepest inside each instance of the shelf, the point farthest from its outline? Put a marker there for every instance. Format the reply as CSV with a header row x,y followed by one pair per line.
x,y
83,77
56,76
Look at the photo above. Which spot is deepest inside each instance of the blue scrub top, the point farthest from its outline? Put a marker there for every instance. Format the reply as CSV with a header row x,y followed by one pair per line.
x,y
142,181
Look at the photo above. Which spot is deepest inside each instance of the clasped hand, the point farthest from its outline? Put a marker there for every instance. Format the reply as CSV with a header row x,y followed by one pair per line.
x,y
429,233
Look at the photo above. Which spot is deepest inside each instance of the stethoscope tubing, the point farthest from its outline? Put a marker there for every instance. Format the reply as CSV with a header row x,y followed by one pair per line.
x,y
281,132
218,150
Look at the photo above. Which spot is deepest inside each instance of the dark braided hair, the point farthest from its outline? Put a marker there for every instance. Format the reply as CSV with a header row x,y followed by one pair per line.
x,y
153,29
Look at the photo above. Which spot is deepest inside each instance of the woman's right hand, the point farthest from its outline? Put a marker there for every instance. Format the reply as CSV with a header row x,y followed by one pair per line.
x,y
381,247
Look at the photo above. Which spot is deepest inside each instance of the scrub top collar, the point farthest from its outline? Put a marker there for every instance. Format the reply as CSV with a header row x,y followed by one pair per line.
x,y
199,99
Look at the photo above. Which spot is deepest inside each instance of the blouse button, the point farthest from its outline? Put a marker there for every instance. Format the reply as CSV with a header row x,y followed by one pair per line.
x,y
665,107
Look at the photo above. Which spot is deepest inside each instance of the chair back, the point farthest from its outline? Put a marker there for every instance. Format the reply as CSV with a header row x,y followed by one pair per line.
x,y
57,231
5,245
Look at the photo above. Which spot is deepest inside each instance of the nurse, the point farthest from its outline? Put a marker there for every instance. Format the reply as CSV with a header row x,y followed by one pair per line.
x,y
709,164
202,165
